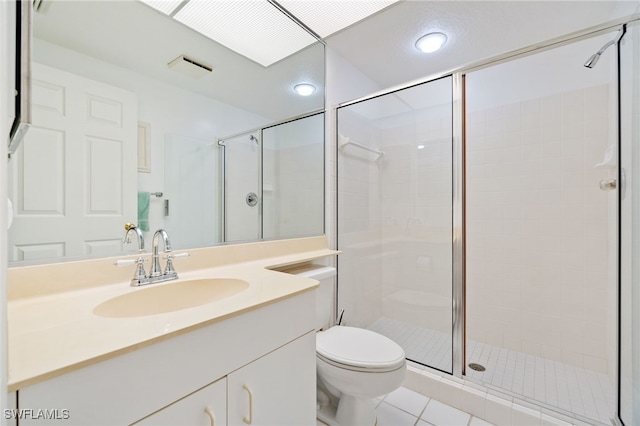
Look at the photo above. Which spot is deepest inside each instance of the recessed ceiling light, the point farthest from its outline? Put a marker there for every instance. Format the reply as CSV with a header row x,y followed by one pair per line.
x,y
431,42
421,146
304,89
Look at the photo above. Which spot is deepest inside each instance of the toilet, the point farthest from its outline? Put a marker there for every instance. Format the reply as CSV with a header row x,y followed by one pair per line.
x,y
354,365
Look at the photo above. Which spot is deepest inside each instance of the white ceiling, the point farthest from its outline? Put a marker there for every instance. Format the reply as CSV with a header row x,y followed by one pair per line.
x,y
382,46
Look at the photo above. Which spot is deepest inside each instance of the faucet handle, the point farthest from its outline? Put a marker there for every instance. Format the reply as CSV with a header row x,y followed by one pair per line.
x,y
173,256
123,262
169,270
140,276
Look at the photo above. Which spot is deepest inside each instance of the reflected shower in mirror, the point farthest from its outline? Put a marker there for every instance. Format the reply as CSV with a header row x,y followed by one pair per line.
x,y
121,91
274,181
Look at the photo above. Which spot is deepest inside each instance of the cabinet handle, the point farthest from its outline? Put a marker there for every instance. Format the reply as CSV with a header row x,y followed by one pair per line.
x,y
249,420
212,417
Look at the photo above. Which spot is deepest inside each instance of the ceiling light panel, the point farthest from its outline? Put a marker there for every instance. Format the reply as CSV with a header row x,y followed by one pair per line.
x,y
253,28
327,17
165,6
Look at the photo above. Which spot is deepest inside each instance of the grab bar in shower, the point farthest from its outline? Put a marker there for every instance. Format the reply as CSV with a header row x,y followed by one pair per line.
x,y
344,141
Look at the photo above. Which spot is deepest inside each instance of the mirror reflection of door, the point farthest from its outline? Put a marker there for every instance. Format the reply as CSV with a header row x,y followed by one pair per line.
x,y
73,180
242,177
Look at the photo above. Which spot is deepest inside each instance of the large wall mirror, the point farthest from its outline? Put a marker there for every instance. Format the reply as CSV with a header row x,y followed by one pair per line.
x,y
140,116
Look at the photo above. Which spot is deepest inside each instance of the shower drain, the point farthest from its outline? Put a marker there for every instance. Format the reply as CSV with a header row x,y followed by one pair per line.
x,y
476,367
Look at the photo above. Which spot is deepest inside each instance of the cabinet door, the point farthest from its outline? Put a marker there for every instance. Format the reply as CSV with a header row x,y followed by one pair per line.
x,y
277,389
11,416
206,407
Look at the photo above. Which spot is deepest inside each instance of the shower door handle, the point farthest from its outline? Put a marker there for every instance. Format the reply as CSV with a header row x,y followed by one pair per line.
x,y
608,184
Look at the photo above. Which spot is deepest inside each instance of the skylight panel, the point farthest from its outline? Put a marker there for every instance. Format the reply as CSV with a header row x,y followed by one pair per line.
x,y
255,29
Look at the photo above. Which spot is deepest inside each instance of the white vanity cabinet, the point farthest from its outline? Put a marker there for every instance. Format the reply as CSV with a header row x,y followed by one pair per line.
x,y
270,350
206,407
254,394
277,380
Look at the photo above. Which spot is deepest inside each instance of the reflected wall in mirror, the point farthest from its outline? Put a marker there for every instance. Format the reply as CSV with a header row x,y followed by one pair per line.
x,y
100,69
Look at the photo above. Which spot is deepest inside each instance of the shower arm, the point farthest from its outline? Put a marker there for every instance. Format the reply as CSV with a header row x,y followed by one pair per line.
x,y
593,59
606,46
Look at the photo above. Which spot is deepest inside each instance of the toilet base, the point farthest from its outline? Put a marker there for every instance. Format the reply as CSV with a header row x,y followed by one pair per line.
x,y
351,411
327,415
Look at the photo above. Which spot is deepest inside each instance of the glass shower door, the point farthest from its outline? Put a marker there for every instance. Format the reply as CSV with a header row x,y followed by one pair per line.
x,y
629,368
395,197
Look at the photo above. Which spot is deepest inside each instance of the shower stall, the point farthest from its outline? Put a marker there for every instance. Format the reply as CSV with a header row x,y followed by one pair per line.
x,y
487,220
273,181
260,185
395,229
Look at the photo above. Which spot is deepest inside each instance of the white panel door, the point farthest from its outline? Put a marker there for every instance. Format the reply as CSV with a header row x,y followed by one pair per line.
x,y
74,177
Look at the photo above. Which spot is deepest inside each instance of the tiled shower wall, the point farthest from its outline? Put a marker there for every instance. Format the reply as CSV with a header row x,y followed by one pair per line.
x,y
537,227
293,191
416,195
359,224
395,220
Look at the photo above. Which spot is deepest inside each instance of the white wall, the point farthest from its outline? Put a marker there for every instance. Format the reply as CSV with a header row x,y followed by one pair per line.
x,y
169,110
537,223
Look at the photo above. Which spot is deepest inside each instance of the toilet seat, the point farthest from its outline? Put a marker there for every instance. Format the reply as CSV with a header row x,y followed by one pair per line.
x,y
358,349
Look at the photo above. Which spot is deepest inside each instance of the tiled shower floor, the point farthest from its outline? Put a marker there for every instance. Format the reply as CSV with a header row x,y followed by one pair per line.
x,y
576,391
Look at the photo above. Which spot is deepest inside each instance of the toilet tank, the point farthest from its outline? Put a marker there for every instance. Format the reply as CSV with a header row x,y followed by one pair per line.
x,y
326,293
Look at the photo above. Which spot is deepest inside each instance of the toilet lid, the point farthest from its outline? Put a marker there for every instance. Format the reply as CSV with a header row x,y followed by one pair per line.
x,y
358,347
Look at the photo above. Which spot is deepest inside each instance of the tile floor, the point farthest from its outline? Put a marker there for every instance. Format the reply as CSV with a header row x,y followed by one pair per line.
x,y
568,389
404,407
583,393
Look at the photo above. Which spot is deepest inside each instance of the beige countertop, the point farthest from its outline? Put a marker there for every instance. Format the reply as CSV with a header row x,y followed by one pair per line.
x,y
53,329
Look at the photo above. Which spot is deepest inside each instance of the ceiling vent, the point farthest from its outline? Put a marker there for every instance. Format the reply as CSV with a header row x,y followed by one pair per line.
x,y
190,67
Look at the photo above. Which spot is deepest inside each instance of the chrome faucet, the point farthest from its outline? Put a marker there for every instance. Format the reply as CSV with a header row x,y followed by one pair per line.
x,y
140,276
127,236
155,273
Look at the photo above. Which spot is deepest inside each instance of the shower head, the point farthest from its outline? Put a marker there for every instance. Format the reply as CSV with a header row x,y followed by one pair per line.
x,y
592,61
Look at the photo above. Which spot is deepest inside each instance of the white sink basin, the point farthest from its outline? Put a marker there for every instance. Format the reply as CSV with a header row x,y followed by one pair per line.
x,y
162,298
